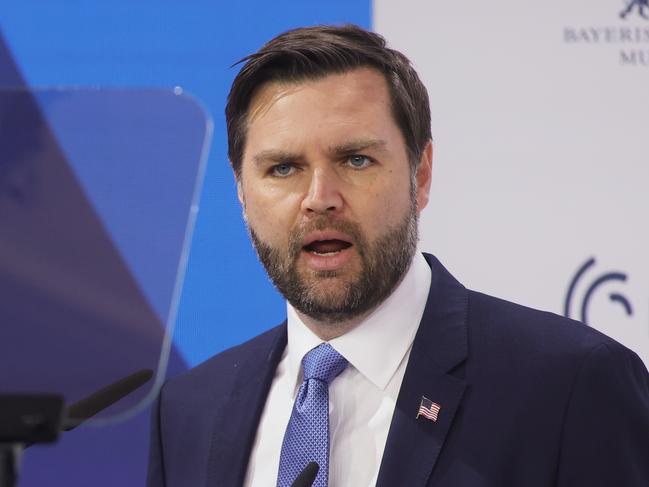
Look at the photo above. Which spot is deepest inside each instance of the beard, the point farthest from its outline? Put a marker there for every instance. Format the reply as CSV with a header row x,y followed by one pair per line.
x,y
335,296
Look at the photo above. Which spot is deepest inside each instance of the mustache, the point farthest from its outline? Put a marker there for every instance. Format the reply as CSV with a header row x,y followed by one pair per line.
x,y
297,236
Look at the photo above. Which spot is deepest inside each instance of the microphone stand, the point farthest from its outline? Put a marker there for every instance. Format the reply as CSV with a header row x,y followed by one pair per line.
x,y
26,419
9,461
39,418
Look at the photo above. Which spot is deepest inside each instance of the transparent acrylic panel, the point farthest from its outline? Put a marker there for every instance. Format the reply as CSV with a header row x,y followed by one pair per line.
x,y
98,195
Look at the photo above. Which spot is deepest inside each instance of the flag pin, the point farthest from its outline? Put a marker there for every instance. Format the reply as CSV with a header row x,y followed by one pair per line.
x,y
428,409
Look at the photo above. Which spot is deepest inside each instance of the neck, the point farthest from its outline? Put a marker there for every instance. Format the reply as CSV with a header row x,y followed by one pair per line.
x,y
329,330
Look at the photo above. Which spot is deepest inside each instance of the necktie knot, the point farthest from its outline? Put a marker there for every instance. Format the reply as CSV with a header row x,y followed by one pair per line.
x,y
323,363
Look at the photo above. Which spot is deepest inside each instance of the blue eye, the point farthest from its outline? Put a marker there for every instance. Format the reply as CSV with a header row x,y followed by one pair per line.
x,y
282,169
359,162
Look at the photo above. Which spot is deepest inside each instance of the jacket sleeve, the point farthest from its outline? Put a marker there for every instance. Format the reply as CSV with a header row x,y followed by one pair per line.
x,y
605,438
155,473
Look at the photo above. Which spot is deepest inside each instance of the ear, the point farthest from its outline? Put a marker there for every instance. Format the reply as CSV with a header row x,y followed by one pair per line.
x,y
424,176
237,179
240,192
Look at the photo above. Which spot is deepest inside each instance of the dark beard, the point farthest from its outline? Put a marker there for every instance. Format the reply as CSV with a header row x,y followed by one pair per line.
x,y
383,264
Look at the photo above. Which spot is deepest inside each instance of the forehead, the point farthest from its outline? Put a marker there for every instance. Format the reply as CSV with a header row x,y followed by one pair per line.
x,y
352,104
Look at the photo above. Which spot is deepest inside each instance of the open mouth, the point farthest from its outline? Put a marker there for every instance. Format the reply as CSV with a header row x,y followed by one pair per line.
x,y
327,247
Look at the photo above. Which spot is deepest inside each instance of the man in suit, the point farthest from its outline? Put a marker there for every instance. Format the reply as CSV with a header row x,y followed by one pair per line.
x,y
387,371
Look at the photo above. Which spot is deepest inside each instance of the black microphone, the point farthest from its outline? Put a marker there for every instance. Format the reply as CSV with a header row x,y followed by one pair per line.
x,y
80,411
38,419
307,476
87,407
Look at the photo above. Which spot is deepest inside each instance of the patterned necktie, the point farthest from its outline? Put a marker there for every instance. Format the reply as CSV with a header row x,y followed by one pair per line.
x,y
307,434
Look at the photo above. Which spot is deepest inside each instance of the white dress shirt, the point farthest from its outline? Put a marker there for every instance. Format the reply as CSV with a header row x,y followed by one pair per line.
x,y
361,399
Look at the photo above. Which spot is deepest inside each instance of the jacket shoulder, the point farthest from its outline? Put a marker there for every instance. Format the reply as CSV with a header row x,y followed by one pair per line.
x,y
527,332
215,375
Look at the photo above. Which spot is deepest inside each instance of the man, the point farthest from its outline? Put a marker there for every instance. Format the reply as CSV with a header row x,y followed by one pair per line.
x,y
388,371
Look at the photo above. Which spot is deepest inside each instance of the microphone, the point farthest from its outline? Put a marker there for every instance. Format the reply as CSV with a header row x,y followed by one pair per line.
x,y
307,476
87,407
29,419
80,411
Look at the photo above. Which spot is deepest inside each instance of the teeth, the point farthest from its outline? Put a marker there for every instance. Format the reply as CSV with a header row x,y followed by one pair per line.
x,y
326,253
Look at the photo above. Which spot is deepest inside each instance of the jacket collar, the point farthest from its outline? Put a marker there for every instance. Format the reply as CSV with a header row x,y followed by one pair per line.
x,y
236,424
414,444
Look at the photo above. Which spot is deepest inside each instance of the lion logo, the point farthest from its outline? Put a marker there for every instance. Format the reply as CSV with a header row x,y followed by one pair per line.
x,y
640,5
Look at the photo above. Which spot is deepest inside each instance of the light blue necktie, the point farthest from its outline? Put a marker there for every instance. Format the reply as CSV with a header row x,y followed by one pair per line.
x,y
307,434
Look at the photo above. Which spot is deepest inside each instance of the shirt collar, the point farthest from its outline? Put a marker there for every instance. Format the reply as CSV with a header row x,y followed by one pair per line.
x,y
379,343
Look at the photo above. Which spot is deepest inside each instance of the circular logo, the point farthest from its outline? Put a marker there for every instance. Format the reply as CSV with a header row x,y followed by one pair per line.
x,y
579,310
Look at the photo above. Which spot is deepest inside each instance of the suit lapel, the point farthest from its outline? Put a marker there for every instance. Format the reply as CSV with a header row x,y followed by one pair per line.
x,y
236,425
414,444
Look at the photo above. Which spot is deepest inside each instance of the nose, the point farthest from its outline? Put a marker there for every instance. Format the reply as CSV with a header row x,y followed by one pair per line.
x,y
324,193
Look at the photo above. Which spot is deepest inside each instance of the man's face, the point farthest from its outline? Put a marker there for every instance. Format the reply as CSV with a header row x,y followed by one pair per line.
x,y
328,193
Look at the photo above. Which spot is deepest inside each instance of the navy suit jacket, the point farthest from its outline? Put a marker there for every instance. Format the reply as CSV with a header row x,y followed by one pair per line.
x,y
528,399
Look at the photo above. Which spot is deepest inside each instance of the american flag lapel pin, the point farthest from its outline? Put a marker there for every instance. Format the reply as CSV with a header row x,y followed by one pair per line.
x,y
428,409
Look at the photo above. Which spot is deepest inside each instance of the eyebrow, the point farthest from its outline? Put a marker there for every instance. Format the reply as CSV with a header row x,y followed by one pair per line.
x,y
275,156
358,146
278,156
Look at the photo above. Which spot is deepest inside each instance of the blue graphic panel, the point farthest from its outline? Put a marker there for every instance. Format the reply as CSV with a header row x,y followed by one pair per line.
x,y
73,317
137,153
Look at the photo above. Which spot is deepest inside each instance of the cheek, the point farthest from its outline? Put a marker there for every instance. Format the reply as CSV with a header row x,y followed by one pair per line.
x,y
271,217
386,206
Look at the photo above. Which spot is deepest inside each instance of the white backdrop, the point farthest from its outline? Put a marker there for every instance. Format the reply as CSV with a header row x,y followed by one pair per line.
x,y
541,127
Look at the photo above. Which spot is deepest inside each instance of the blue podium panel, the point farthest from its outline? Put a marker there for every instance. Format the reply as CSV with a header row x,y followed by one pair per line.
x,y
98,196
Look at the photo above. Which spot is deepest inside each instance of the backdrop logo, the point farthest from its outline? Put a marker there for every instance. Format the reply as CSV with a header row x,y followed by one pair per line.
x,y
626,34
640,5
579,310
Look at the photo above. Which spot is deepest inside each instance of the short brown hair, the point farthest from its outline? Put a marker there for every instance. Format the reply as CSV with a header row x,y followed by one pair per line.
x,y
315,52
